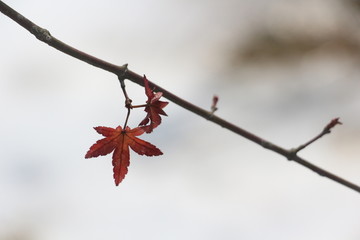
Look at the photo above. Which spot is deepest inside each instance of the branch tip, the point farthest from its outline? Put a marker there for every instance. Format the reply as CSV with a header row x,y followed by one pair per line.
x,y
332,124
214,103
326,130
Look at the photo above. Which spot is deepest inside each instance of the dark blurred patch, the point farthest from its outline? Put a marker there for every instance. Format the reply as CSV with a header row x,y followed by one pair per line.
x,y
19,234
354,4
267,46
290,33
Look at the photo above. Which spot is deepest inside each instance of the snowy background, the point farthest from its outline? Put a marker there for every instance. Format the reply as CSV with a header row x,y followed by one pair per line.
x,y
282,69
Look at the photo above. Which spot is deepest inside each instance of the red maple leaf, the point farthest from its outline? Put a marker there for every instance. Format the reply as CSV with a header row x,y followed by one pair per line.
x,y
153,108
119,141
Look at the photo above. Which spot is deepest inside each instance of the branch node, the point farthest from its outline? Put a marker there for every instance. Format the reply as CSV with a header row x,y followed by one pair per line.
x,y
210,115
266,144
292,153
122,75
41,33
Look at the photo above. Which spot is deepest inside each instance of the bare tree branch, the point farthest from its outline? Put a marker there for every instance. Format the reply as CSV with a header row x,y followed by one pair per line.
x,y
123,73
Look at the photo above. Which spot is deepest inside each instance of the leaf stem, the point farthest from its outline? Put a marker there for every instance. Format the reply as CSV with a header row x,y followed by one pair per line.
x,y
127,118
128,101
139,106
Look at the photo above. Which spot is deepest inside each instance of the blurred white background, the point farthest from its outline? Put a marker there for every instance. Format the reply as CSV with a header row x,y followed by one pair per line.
x,y
282,69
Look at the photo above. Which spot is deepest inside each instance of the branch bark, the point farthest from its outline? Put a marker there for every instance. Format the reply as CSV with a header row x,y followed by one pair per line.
x,y
124,73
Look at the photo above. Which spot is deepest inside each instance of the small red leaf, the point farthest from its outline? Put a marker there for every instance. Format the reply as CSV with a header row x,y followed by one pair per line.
x,y
119,141
154,108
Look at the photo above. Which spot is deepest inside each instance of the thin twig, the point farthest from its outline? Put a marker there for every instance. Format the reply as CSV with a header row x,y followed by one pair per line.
x,y
128,101
122,72
326,130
